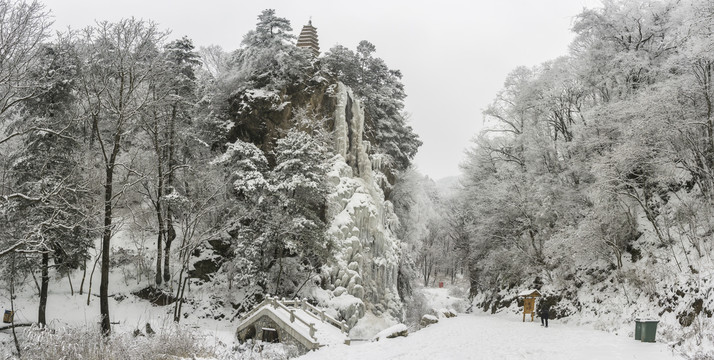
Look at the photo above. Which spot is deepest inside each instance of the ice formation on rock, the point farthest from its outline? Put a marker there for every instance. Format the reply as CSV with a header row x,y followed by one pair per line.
x,y
364,276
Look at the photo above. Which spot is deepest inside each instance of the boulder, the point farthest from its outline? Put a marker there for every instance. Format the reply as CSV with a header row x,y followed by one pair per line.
x,y
203,269
443,313
427,320
392,332
155,296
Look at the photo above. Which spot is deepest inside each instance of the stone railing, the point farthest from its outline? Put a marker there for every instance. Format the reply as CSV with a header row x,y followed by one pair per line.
x,y
277,304
291,305
317,313
255,309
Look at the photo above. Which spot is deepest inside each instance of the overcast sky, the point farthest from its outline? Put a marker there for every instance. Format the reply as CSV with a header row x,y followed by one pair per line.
x,y
454,55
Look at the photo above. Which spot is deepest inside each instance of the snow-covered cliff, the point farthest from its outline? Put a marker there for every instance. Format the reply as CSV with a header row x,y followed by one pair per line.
x,y
364,274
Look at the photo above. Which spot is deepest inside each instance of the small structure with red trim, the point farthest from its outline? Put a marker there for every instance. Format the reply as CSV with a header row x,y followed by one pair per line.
x,y
529,298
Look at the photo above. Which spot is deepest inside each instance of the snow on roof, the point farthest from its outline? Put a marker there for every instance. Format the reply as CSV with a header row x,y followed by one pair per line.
x,y
529,292
325,333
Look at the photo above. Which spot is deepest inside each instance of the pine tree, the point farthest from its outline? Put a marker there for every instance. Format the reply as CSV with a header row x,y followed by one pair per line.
x,y
298,225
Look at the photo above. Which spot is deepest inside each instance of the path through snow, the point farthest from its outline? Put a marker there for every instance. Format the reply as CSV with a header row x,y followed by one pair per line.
x,y
499,337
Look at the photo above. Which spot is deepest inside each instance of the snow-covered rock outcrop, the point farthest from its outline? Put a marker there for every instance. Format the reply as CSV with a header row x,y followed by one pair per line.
x,y
364,276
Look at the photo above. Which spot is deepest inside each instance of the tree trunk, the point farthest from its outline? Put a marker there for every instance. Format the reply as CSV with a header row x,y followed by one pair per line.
x,y
170,236
160,221
12,305
84,276
106,243
280,271
423,271
170,231
71,287
34,278
106,327
43,289
159,215
538,250
179,287
159,243
91,277
177,310
453,271
428,264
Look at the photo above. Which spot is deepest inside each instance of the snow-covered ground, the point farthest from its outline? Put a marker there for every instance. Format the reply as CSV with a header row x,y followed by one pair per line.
x,y
501,336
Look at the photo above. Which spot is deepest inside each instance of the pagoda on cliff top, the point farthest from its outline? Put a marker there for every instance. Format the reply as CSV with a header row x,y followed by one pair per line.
x,y
308,38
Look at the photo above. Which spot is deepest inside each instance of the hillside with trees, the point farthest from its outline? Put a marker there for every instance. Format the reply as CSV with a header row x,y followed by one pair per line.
x,y
594,179
223,160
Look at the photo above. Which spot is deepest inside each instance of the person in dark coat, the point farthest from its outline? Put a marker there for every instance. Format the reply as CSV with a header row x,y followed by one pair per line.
x,y
544,315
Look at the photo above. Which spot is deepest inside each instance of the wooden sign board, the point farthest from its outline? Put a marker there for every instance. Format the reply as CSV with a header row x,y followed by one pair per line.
x,y
528,305
529,298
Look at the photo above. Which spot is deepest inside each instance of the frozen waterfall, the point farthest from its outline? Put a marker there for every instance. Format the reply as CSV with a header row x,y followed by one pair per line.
x,y
364,276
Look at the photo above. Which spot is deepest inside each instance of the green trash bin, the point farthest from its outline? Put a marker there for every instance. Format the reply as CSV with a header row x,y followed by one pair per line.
x,y
638,329
649,330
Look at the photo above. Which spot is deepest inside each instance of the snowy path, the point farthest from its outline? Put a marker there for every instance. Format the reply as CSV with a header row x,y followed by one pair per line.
x,y
499,337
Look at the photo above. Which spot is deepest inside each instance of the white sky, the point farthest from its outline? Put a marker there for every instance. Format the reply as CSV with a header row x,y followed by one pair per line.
x,y
454,54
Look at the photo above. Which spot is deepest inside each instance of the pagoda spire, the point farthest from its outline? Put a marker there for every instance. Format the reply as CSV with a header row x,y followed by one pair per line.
x,y
308,38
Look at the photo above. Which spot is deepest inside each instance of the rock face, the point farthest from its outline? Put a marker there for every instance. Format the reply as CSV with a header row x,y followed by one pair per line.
x,y
360,221
363,276
155,296
261,116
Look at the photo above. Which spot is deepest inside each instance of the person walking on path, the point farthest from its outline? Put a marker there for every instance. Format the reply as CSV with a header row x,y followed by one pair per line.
x,y
544,315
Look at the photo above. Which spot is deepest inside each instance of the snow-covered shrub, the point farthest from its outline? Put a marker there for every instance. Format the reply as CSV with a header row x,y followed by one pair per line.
x,y
456,291
458,306
251,350
645,282
504,267
416,306
87,343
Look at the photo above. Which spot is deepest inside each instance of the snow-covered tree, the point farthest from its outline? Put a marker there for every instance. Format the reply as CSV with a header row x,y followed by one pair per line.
x,y
268,58
50,166
623,45
173,94
120,62
434,244
278,227
25,29
298,180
